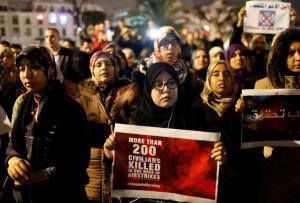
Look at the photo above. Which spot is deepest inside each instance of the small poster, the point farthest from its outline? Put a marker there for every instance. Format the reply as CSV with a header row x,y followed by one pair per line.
x,y
266,17
271,118
166,164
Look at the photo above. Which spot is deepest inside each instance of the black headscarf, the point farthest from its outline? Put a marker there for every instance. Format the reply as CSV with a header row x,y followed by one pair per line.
x,y
42,56
149,114
54,92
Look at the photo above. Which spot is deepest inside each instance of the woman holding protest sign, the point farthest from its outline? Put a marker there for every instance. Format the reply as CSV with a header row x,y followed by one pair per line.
x,y
217,114
161,107
281,179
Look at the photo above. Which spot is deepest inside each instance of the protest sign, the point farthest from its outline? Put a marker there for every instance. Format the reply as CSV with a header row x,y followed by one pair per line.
x,y
266,17
162,163
271,118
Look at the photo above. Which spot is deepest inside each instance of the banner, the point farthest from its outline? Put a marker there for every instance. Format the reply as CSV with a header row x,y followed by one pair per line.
x,y
271,118
161,163
266,17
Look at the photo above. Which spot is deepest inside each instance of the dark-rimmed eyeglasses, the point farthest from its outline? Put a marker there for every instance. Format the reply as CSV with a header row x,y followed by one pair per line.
x,y
159,85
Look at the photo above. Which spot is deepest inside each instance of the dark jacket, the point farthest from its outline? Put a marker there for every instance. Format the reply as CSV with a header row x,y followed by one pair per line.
x,y
58,141
281,179
103,111
205,118
257,62
67,65
7,92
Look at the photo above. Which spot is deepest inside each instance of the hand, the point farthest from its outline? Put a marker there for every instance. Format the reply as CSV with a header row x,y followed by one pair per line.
x,y
241,15
293,16
19,170
239,106
109,146
22,174
268,151
219,153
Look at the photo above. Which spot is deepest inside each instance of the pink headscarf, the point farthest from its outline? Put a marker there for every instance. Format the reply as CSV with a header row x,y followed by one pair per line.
x,y
100,55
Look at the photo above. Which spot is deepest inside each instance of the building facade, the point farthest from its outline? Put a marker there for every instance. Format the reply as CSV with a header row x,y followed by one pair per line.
x,y
26,24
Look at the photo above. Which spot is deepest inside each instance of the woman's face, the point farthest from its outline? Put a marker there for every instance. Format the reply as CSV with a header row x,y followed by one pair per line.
x,y
293,58
169,49
238,60
104,72
32,76
7,60
221,81
217,56
164,90
201,60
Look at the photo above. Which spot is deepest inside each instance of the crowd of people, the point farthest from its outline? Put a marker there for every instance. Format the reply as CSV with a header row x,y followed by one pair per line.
x,y
59,104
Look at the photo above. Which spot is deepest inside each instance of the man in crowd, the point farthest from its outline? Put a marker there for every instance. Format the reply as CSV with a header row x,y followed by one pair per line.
x,y
63,57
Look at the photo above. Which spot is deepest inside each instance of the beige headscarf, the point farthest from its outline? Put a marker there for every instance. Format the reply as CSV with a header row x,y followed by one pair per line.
x,y
219,103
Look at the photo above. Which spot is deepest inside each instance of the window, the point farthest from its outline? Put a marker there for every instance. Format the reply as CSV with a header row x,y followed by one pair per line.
x,y
2,21
27,21
64,32
28,31
62,9
16,30
41,32
2,30
15,20
52,18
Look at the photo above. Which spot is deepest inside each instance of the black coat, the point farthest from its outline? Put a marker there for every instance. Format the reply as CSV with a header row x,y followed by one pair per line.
x,y
205,118
59,141
68,65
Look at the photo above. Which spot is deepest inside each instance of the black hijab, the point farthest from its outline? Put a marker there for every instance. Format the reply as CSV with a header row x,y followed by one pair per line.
x,y
149,114
54,91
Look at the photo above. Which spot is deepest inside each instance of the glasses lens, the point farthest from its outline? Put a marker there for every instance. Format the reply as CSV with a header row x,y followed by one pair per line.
x,y
171,84
158,85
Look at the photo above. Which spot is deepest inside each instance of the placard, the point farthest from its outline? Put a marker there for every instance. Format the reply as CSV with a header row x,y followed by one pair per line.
x,y
266,17
162,163
271,118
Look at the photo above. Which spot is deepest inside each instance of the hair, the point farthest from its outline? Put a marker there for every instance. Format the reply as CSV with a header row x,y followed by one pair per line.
x,y
196,51
16,46
85,39
71,42
276,66
5,43
53,29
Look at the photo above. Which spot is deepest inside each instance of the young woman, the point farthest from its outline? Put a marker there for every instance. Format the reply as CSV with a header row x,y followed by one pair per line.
x,y
162,107
236,56
167,49
107,99
215,112
281,179
47,155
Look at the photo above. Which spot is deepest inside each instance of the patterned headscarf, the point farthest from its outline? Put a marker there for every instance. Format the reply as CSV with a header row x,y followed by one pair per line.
x,y
42,56
100,55
164,32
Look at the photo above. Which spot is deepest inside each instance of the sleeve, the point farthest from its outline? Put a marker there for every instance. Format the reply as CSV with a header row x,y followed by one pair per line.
x,y
236,35
4,123
11,151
